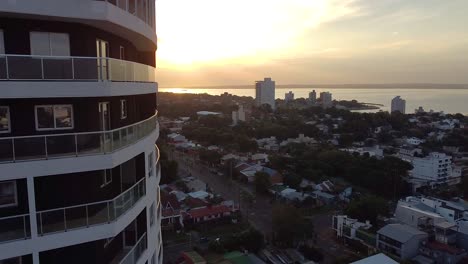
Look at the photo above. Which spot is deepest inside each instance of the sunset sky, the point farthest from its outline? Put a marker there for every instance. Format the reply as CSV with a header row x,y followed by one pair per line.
x,y
235,42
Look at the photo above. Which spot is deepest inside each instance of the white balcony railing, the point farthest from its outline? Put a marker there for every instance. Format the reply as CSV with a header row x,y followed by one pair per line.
x,y
24,148
135,253
15,228
91,214
65,68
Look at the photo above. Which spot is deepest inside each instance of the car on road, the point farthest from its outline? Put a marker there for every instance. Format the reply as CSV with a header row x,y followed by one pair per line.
x,y
204,240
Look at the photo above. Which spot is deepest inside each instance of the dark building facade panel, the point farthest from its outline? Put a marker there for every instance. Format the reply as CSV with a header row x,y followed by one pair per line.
x,y
85,187
82,39
85,113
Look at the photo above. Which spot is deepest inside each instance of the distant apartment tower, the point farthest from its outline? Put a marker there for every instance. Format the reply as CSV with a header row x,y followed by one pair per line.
x,y
265,92
79,169
326,99
289,97
398,105
238,115
313,97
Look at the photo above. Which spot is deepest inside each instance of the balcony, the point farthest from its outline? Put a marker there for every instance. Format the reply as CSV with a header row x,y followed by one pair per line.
x,y
133,254
15,149
138,9
92,214
15,228
82,69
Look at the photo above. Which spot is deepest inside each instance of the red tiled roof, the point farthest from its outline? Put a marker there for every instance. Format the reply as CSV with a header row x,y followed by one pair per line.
x,y
194,202
169,200
434,245
208,210
170,212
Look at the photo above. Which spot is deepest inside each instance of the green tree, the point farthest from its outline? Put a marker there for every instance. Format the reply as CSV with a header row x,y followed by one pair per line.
x,y
289,226
368,208
262,182
169,171
464,186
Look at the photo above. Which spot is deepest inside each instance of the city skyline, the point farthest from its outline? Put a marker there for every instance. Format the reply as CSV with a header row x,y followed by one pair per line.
x,y
326,42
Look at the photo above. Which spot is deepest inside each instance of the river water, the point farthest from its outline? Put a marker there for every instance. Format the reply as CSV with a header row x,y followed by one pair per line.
x,y
447,100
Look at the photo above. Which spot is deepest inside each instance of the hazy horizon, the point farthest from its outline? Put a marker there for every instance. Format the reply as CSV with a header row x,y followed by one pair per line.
x,y
212,42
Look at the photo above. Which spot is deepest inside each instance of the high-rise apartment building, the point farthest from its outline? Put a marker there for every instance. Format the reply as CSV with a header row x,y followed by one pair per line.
x,y
398,104
265,92
238,115
326,99
313,97
289,97
79,169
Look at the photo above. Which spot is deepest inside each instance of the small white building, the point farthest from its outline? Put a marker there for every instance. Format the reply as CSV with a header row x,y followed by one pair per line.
x,y
398,105
415,141
434,169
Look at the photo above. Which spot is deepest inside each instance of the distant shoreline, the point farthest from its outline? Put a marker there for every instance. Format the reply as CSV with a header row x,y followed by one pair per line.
x,y
336,86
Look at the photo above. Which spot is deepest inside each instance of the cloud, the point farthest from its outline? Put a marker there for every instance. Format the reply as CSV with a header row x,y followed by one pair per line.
x,y
392,45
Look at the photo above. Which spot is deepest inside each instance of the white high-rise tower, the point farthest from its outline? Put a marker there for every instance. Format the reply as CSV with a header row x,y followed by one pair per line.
x,y
265,92
79,168
398,104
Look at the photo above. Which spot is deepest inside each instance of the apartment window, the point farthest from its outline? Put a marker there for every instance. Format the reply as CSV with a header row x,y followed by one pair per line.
x,y
49,44
122,53
152,215
106,178
50,117
123,109
5,119
2,43
8,195
150,164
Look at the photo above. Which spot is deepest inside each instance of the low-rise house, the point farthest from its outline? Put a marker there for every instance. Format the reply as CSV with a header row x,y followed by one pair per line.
x,y
400,240
207,213
194,184
326,186
376,259
176,138
323,197
171,214
441,253
261,158
249,172
415,141
202,195
353,229
301,139
371,151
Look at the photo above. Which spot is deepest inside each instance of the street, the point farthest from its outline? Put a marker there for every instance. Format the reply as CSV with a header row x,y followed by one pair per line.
x,y
259,212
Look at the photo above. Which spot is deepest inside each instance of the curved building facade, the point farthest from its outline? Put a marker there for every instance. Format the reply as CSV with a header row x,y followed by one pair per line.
x,y
79,168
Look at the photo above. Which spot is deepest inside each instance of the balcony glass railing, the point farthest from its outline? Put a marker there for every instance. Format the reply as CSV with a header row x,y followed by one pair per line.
x,y
135,253
39,147
143,9
86,215
15,228
59,68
